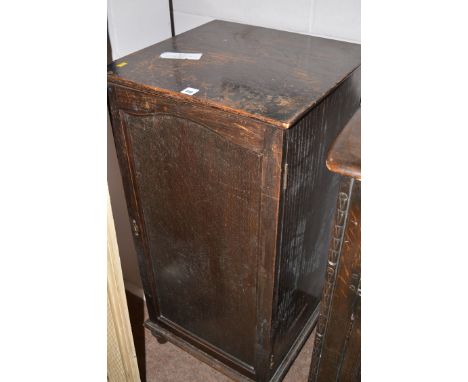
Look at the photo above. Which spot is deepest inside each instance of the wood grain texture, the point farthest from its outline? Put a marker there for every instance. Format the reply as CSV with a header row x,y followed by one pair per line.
x,y
229,212
200,197
190,186
337,349
121,357
237,129
270,75
307,209
345,156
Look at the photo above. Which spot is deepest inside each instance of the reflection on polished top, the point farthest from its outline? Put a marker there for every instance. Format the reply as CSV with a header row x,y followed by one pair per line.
x,y
273,76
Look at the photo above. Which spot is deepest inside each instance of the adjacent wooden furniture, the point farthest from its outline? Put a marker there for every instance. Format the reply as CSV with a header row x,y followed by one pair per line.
x,y
121,357
337,349
227,190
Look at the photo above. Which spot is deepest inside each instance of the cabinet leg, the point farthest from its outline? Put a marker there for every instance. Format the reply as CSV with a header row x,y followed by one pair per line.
x,y
161,339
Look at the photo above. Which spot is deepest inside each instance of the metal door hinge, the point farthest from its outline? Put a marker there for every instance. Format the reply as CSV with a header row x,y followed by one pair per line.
x,y
272,361
285,176
135,228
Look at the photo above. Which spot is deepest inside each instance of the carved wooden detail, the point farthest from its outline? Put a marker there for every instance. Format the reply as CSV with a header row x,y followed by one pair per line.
x,y
334,254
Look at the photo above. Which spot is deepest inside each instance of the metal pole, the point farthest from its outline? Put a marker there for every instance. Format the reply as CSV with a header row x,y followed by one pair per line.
x,y
171,14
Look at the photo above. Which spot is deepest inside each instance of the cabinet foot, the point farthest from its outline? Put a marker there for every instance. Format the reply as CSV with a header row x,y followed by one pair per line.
x,y
161,339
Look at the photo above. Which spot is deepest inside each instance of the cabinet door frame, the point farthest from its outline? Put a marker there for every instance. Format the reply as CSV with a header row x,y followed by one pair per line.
x,y
264,140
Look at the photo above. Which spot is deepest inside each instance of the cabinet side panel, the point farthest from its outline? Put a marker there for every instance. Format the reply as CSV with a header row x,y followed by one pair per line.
x,y
200,196
307,209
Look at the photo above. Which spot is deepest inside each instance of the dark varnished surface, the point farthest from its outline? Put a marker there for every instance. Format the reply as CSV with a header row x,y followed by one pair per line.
x,y
231,213
345,156
200,217
337,349
308,207
203,189
272,75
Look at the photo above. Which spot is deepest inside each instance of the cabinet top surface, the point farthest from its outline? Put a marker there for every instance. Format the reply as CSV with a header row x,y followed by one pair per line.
x,y
270,75
345,155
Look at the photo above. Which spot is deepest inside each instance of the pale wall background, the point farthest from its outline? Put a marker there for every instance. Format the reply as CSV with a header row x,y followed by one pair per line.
x,y
338,19
136,24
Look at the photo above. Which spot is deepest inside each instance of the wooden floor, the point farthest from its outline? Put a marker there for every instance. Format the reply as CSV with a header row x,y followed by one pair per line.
x,y
168,363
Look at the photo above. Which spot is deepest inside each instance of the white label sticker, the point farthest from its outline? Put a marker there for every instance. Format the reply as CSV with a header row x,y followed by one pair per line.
x,y
181,56
190,91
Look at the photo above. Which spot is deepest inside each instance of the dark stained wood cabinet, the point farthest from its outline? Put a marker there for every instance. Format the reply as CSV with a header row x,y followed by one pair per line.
x,y
337,349
227,191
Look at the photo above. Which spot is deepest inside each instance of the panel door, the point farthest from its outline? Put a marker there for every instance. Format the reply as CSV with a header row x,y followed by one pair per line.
x,y
199,199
